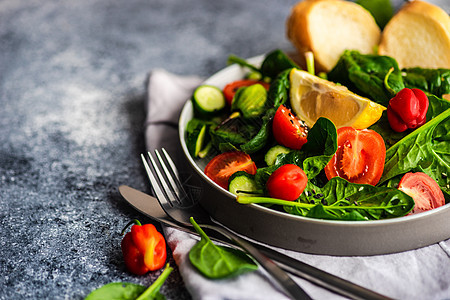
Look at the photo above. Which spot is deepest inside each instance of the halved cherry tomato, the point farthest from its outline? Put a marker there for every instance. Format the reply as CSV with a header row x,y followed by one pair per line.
x,y
230,89
288,130
423,189
222,166
359,157
287,182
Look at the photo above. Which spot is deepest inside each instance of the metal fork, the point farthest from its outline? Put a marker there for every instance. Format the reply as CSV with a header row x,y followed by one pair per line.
x,y
178,205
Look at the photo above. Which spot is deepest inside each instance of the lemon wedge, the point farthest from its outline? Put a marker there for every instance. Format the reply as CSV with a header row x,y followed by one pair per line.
x,y
313,97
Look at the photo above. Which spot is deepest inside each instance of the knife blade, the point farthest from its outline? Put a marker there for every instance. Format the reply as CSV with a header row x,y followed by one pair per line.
x,y
149,206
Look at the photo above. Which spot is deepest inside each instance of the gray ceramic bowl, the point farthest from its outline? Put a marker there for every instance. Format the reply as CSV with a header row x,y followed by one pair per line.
x,y
306,234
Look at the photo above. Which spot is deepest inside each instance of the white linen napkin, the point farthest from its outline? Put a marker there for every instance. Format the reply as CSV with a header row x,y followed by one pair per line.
x,y
418,274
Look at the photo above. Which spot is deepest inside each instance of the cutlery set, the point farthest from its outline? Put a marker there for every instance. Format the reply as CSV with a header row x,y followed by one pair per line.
x,y
174,206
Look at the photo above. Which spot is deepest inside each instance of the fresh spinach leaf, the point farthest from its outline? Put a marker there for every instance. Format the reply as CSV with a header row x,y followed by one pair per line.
x,y
276,62
117,290
278,93
320,147
233,132
365,74
343,200
381,10
426,150
390,137
273,64
262,137
131,291
218,261
431,81
436,106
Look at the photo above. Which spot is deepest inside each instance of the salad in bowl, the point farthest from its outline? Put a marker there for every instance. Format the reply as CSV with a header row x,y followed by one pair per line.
x,y
280,169
369,142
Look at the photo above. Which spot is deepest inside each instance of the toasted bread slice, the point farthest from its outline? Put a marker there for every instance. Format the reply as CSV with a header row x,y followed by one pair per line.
x,y
418,36
328,27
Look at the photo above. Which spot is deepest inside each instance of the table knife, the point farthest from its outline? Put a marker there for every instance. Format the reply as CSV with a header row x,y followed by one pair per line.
x,y
150,207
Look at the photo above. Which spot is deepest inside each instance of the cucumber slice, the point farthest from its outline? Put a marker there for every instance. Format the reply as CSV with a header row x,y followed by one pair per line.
x,y
208,101
273,152
242,183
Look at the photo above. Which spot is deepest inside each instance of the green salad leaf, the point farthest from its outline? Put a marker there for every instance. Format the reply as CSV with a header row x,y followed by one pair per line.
x,y
233,133
390,137
218,261
365,74
131,291
117,290
275,63
320,147
381,10
431,81
342,200
261,139
426,150
279,89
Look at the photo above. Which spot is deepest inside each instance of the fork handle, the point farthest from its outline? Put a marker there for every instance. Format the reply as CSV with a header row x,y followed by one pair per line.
x,y
282,278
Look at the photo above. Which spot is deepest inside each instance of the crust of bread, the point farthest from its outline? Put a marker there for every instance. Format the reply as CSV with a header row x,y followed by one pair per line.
x,y
418,36
328,27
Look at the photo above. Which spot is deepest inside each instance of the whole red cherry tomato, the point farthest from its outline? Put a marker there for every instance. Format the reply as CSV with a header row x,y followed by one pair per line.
x,y
288,130
423,189
222,166
359,157
287,182
230,89
143,248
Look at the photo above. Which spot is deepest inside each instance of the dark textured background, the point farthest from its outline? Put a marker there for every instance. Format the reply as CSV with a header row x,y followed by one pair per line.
x,y
72,90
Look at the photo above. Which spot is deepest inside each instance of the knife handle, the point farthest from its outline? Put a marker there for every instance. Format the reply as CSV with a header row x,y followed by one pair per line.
x,y
321,278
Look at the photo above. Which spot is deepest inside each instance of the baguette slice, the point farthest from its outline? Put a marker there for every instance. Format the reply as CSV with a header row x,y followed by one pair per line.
x,y
418,36
328,27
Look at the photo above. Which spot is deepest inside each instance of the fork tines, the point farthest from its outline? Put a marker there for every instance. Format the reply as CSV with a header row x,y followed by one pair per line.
x,y
166,183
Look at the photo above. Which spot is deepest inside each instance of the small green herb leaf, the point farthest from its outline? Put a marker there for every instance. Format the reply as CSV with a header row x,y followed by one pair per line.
x,y
276,62
117,290
381,10
131,291
217,261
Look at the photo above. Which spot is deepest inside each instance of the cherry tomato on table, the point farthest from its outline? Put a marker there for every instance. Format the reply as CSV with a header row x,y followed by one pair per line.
x,y
423,189
288,130
287,182
359,157
230,89
222,166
